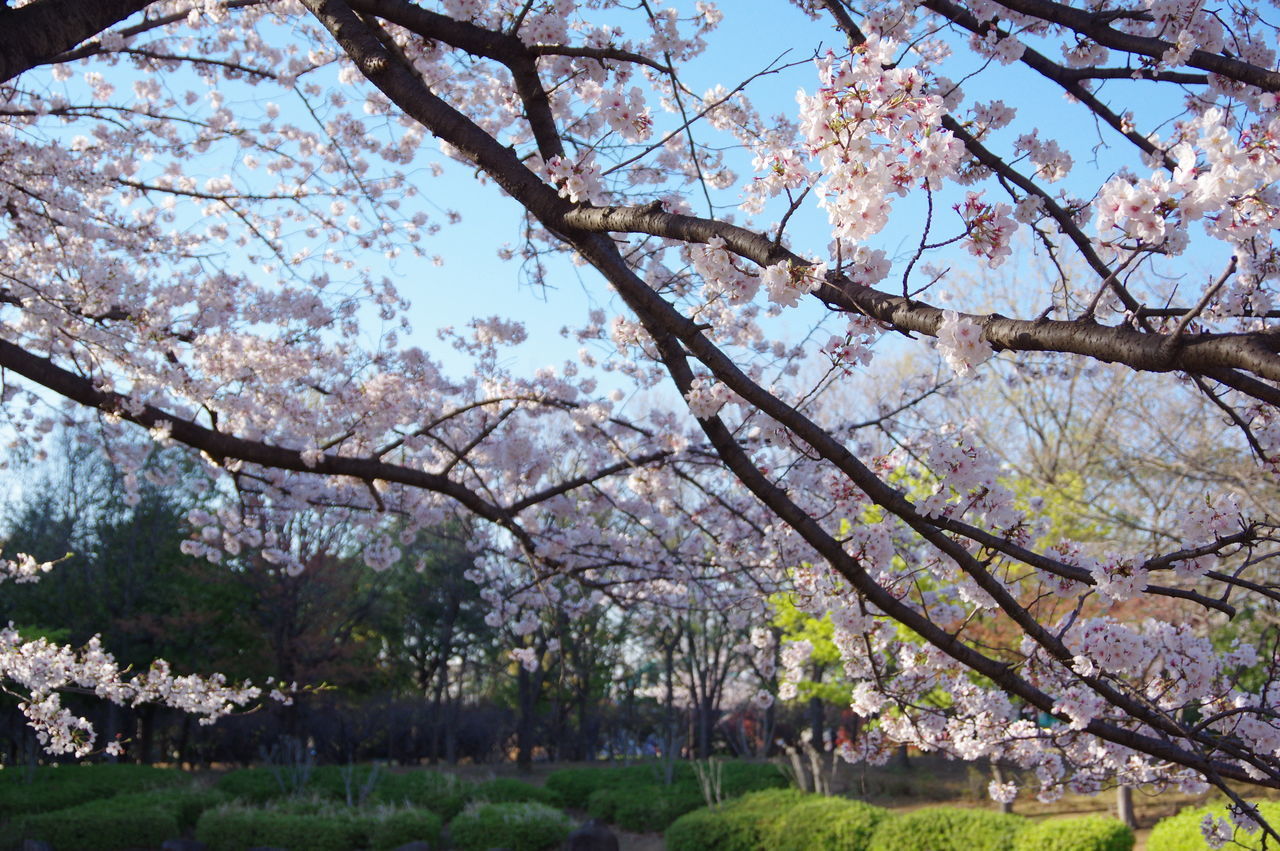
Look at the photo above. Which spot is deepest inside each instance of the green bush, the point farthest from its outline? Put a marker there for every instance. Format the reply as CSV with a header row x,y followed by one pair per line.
x,y
527,826
1087,833
572,787
740,777
394,828
443,794
651,808
235,827
603,804
143,819
251,785
827,823
947,829
54,787
743,824
1182,832
507,790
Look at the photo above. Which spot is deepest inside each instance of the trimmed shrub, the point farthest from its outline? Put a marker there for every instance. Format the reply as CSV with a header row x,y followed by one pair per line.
x,y
743,824
603,804
1182,832
233,827
506,790
572,787
144,819
827,823
443,794
947,829
1087,833
394,828
54,787
527,826
251,785
653,808
700,830
741,777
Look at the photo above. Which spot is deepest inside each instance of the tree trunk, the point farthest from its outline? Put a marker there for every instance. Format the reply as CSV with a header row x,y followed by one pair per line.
x,y
1124,806
524,727
816,724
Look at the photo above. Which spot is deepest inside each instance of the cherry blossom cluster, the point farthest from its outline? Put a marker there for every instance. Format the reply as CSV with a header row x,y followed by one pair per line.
x,y
960,340
875,132
38,670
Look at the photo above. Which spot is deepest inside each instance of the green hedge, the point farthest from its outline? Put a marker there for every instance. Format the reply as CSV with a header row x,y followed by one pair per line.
x,y
602,804
739,778
235,827
947,829
55,787
572,787
399,827
743,824
1182,832
827,823
323,824
443,794
634,798
508,790
647,809
1087,833
251,785
527,826
142,819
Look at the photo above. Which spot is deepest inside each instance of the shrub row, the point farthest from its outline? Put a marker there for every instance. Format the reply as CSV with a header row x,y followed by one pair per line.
x,y
523,826
788,820
1182,832
634,798
55,787
443,794
323,826
141,819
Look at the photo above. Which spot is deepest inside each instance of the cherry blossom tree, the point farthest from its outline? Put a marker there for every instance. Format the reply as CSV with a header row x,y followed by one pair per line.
x,y
184,255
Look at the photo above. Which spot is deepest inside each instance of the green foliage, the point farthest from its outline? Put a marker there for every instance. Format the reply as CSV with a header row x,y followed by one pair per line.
x,y
947,829
235,827
509,790
528,826
251,785
599,790
633,798
741,777
602,804
1087,833
60,786
398,827
1182,832
143,819
443,794
123,574
572,787
798,625
652,808
827,823
744,824
325,824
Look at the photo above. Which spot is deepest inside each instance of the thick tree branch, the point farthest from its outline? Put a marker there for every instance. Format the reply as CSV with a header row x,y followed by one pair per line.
x,y
40,31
